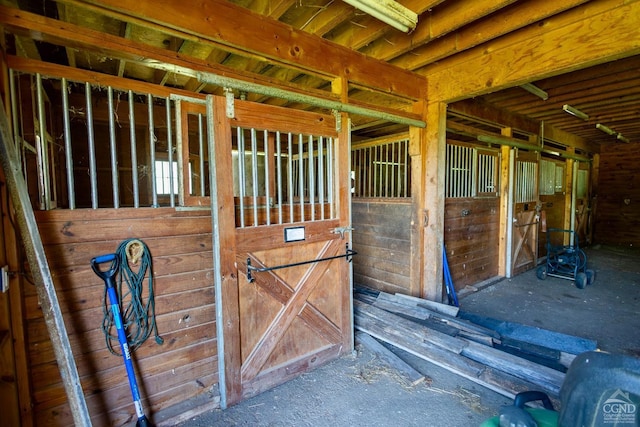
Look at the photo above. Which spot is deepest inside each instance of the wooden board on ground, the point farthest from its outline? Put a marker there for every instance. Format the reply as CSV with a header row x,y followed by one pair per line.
x,y
390,358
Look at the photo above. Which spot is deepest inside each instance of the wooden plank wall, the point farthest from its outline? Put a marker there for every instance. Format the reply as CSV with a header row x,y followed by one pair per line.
x,y
553,207
617,209
471,233
382,238
184,366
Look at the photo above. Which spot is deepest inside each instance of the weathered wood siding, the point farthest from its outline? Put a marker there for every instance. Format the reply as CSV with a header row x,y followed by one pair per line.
x,y
184,366
382,238
617,216
471,232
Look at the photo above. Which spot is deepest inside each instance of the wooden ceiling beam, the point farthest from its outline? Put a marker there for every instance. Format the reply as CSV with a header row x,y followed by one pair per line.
x,y
501,117
327,19
442,20
502,22
221,22
371,29
598,32
57,32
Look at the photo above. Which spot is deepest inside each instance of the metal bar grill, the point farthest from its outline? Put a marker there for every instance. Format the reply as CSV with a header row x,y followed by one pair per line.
x,y
382,170
459,175
526,181
295,171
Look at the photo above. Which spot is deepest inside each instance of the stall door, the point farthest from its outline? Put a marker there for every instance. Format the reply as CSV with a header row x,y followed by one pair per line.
x,y
526,213
292,245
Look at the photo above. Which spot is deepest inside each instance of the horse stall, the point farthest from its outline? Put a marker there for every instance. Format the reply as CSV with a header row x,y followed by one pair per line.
x,y
221,200
382,214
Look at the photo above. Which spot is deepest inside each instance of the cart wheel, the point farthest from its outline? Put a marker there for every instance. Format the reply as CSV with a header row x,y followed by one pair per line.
x,y
581,280
541,272
591,276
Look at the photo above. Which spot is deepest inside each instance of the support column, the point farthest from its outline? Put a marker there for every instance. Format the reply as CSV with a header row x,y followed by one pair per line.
x,y
433,153
418,213
504,245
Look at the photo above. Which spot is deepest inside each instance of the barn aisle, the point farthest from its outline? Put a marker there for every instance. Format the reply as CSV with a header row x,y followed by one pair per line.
x,y
606,311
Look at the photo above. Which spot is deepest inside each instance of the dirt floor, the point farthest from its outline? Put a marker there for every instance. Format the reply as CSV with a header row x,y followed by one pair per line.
x,y
360,390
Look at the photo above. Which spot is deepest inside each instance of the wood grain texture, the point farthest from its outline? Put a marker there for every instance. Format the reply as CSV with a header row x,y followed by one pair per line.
x,y
180,245
382,237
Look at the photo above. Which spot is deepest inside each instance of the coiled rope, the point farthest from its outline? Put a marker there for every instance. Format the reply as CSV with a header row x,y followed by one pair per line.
x,y
138,315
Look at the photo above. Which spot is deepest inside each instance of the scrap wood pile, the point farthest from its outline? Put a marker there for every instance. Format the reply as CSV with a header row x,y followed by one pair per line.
x,y
506,357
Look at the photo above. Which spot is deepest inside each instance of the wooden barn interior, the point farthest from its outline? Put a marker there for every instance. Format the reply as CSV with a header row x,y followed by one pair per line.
x,y
272,154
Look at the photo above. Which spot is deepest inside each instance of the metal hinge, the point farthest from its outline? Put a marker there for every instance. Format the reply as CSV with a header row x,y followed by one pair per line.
x,y
342,230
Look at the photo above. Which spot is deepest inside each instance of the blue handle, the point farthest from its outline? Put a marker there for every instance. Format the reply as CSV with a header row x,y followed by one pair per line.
x,y
109,274
103,258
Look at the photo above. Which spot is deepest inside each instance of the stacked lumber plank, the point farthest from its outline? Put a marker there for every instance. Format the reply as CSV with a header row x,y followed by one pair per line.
x,y
483,350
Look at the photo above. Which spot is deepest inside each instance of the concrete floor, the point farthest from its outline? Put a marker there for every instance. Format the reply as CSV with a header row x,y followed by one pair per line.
x,y
359,390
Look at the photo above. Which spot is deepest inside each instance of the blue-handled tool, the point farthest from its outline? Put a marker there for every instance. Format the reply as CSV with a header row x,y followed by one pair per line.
x,y
109,280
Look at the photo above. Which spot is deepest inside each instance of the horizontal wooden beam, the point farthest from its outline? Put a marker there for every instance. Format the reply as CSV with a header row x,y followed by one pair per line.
x,y
61,33
484,111
597,32
225,24
69,35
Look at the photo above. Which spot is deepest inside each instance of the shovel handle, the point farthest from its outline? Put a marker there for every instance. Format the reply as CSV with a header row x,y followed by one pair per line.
x,y
107,275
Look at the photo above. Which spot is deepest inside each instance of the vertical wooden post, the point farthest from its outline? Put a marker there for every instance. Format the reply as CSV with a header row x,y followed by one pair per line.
x,y
568,195
224,241
418,214
593,195
342,188
433,152
503,243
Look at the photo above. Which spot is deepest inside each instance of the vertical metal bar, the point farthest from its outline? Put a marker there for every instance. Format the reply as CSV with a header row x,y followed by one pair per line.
x,y
68,153
301,176
370,172
254,174
152,149
321,176
330,175
172,201
41,275
312,182
361,178
114,152
407,169
183,187
279,175
241,173
290,175
93,174
134,152
395,181
201,154
386,170
267,163
41,147
17,137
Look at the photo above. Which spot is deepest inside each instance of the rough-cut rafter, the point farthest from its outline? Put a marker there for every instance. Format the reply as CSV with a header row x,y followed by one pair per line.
x,y
276,41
